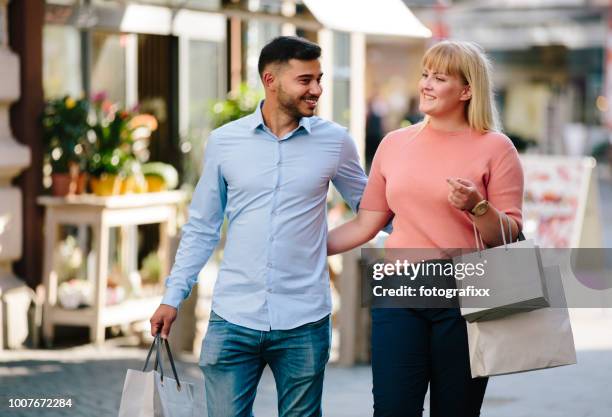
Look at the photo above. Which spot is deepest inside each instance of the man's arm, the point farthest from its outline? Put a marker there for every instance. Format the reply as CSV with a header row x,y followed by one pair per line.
x,y
350,179
199,237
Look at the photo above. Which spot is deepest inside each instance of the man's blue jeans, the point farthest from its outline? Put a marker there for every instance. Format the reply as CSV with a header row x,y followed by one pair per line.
x,y
233,358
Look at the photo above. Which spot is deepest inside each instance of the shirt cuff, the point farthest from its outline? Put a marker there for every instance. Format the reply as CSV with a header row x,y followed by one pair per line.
x,y
173,297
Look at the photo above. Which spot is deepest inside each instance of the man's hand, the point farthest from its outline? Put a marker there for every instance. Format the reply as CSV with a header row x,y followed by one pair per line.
x,y
162,320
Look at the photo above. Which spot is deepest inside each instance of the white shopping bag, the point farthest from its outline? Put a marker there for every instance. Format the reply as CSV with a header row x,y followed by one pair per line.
x,y
513,277
525,341
151,394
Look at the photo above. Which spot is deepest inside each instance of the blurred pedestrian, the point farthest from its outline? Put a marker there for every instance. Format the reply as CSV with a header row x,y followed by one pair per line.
x,y
374,127
413,115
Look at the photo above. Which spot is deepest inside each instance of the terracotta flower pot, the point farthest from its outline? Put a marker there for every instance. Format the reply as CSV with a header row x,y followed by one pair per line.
x,y
62,185
82,183
69,183
105,184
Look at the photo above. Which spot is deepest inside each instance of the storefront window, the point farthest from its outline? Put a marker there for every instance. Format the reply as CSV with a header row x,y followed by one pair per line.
x,y
195,4
3,35
202,82
257,35
61,61
108,52
211,4
266,6
342,78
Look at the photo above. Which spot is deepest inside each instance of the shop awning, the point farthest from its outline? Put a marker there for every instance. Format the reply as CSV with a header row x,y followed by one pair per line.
x,y
381,17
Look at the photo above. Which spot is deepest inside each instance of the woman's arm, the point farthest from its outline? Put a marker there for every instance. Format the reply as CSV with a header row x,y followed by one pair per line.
x,y
463,195
490,229
356,231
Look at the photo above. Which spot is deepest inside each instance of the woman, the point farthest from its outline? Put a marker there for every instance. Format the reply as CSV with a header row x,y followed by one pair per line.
x,y
439,178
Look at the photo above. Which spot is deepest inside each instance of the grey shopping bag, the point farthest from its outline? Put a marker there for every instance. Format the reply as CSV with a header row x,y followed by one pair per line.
x,y
526,341
513,279
151,394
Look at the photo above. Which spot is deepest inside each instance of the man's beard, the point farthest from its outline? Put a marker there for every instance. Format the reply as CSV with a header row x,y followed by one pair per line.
x,y
290,105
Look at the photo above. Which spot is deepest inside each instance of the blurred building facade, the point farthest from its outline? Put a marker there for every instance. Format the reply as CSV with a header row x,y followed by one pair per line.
x,y
550,61
15,297
171,58
174,57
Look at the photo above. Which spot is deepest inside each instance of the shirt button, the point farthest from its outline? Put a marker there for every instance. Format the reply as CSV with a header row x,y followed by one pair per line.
x,y
277,187
269,264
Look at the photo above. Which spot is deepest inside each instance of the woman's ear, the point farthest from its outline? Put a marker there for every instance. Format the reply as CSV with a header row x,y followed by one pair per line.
x,y
466,94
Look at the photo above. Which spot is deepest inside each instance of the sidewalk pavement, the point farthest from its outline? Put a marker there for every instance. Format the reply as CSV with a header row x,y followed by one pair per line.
x,y
93,377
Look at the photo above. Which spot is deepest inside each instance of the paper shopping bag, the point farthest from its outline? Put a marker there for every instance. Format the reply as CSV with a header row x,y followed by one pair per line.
x,y
525,341
151,394
512,278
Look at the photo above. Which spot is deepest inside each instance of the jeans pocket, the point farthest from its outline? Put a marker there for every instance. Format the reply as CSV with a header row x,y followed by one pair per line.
x,y
212,345
320,342
214,318
317,324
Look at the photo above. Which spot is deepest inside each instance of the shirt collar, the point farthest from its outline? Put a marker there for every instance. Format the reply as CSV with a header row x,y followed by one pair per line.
x,y
258,120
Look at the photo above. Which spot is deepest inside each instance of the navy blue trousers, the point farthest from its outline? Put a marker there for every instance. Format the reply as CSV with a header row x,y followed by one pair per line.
x,y
414,348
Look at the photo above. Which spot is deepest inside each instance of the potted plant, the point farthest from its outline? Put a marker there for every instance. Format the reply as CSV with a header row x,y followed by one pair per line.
x,y
64,125
118,144
140,128
160,176
109,149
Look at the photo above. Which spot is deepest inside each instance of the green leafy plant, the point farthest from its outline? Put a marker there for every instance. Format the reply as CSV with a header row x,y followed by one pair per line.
x,y
64,125
151,268
118,138
165,172
237,104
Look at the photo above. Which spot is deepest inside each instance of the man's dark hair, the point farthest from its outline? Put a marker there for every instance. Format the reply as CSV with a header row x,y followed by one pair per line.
x,y
283,48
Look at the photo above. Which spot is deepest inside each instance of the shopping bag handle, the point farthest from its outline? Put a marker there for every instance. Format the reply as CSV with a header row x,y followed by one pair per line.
x,y
157,342
157,361
171,359
478,236
519,237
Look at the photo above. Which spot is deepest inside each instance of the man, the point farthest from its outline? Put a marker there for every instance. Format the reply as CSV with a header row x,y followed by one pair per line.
x,y
269,173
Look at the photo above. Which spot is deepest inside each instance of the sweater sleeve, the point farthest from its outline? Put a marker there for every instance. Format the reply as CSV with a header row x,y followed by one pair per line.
x,y
374,197
506,184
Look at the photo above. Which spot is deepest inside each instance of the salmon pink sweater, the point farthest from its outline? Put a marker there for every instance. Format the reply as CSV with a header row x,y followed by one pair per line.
x,y
408,177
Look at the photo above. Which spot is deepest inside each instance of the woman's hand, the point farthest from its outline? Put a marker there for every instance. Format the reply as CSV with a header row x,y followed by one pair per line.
x,y
463,194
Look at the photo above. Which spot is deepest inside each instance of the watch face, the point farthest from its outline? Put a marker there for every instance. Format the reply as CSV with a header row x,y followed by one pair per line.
x,y
481,208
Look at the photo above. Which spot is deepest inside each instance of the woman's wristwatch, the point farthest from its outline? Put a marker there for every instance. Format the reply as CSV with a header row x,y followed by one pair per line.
x,y
480,208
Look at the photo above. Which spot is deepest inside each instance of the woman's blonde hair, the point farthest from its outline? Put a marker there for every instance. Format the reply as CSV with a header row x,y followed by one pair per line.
x,y
468,61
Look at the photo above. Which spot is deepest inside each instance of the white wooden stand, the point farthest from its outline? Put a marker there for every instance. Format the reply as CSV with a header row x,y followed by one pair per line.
x,y
102,213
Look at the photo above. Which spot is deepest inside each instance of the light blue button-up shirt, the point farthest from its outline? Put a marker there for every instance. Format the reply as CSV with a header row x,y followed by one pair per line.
x,y
273,191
